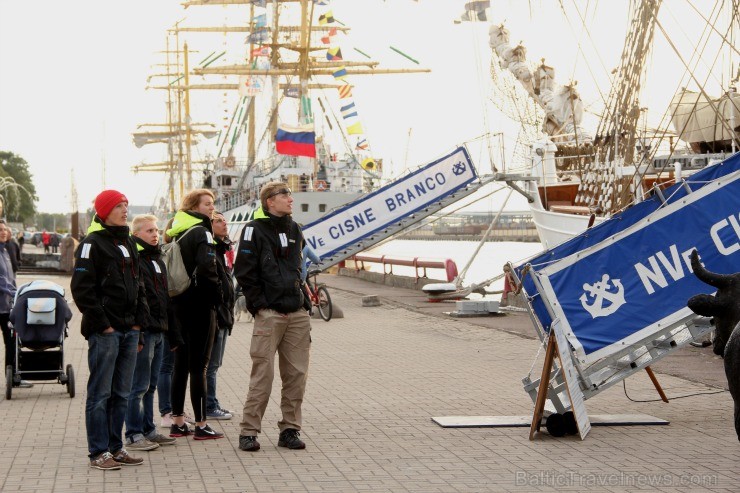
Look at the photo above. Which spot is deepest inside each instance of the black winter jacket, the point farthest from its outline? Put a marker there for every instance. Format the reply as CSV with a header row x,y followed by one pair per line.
x,y
14,252
225,310
106,285
268,263
199,256
154,277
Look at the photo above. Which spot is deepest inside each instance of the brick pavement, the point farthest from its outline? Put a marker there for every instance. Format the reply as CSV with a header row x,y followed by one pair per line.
x,y
377,377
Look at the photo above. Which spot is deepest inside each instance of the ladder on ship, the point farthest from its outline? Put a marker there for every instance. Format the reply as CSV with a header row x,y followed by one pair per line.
x,y
406,222
403,224
387,212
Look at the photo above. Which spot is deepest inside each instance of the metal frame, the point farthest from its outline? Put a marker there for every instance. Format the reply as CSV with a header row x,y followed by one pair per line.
x,y
604,373
59,349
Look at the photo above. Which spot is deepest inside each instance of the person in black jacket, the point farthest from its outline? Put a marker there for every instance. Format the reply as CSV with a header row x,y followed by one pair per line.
x,y
110,295
171,343
224,316
268,269
141,433
195,311
14,252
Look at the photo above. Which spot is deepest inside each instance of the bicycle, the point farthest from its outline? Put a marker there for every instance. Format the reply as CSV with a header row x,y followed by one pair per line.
x,y
319,295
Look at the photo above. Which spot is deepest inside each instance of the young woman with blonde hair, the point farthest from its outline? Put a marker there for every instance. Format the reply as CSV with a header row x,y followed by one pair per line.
x,y
195,311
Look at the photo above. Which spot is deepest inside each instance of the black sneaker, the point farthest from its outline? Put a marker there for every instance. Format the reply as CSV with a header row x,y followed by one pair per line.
x,y
179,431
290,438
248,443
206,433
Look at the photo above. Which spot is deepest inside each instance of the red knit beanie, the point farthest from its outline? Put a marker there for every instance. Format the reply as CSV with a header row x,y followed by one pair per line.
x,y
106,201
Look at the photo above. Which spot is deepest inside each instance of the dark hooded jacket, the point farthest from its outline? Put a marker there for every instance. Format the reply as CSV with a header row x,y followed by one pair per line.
x,y
154,277
225,310
106,285
198,250
268,263
14,252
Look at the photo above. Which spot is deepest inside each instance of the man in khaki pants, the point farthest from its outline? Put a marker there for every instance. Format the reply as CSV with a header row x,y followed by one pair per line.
x,y
268,269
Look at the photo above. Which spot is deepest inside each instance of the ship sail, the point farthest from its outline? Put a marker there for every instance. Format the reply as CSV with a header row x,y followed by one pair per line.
x,y
695,120
583,179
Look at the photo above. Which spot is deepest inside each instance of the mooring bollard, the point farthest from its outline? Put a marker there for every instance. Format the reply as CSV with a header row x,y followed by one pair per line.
x,y
371,300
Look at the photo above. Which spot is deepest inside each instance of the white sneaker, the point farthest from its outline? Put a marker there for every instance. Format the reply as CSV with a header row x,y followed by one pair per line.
x,y
167,421
189,419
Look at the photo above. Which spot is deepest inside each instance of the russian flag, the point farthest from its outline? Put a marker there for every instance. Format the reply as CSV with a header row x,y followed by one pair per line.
x,y
296,141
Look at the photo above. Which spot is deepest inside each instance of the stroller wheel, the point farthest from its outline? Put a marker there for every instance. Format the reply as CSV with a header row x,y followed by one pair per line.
x,y
8,382
70,381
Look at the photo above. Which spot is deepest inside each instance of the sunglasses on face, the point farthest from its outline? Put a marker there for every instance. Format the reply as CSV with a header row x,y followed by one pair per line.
x,y
286,191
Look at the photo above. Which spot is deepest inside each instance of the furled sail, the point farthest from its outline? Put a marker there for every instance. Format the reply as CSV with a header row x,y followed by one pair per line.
x,y
562,104
703,123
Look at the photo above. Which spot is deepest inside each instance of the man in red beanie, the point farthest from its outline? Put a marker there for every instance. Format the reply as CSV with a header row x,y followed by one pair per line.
x,y
107,289
107,200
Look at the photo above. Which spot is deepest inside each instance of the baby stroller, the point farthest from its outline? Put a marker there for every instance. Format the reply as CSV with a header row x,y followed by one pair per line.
x,y
39,317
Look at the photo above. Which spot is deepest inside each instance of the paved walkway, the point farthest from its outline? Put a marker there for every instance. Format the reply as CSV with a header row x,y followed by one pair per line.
x,y
377,377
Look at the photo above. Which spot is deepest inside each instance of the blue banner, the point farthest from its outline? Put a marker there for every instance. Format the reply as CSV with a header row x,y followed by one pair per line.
x,y
620,287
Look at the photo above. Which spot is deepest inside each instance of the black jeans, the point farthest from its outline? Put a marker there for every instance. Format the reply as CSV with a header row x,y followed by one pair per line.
x,y
9,342
198,330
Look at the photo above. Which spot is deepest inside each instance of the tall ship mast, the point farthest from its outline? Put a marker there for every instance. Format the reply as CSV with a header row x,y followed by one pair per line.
x,y
294,119
584,177
178,132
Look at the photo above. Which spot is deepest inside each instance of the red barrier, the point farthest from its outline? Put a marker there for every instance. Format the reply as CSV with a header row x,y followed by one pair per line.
x,y
417,263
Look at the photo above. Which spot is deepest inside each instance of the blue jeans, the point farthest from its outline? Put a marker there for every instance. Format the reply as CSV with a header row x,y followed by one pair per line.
x,y
217,357
140,412
165,379
111,359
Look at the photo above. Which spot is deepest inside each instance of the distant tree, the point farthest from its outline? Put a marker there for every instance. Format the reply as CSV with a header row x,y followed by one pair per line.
x,y
19,193
52,222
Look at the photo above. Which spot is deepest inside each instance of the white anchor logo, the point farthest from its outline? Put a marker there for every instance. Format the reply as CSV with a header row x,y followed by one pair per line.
x,y
599,291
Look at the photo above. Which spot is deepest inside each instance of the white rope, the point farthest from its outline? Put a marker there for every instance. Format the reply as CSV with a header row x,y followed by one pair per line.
x,y
536,356
460,278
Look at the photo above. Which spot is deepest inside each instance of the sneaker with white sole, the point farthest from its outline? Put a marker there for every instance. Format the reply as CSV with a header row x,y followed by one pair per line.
x,y
179,431
206,433
218,414
142,444
105,462
166,420
124,459
161,440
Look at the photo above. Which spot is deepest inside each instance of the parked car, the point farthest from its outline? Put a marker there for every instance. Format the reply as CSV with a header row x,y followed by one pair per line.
x,y
36,238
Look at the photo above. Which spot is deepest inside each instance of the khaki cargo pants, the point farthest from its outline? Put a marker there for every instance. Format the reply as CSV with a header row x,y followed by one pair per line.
x,y
290,336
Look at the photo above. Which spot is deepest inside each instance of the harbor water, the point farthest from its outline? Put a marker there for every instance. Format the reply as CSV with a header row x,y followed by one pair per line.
x,y
488,263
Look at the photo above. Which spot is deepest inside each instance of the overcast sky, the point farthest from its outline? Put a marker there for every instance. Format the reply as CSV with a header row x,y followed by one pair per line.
x,y
73,77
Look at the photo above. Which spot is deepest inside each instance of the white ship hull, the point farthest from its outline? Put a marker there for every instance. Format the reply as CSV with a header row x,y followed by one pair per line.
x,y
307,206
554,228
